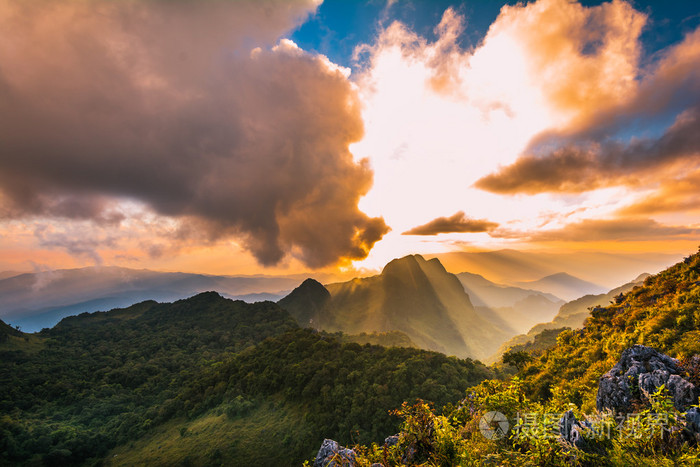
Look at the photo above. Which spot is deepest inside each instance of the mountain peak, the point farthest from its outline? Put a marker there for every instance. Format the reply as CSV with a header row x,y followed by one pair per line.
x,y
310,288
204,297
306,302
641,277
405,261
560,276
417,297
411,262
565,286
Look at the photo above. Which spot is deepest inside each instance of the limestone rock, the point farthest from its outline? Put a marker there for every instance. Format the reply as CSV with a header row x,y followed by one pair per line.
x,y
331,454
391,440
572,430
692,423
642,370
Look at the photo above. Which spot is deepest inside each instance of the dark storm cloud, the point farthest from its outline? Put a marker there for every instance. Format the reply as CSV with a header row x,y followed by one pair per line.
x,y
453,224
164,103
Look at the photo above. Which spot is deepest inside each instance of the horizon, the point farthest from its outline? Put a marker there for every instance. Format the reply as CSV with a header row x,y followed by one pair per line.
x,y
329,138
508,273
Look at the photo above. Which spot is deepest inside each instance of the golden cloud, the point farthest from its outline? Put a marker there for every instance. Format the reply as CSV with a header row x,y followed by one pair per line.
x,y
597,230
457,223
593,154
674,195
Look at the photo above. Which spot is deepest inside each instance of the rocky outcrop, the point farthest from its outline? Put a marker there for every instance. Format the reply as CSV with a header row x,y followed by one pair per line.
x,y
572,430
331,454
641,371
392,440
692,423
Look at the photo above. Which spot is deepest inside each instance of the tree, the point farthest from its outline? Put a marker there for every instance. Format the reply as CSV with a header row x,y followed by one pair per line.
x,y
517,359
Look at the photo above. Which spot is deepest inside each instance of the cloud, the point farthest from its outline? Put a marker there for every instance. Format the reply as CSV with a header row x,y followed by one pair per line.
x,y
673,195
454,115
594,230
591,165
75,242
456,223
598,154
442,59
163,104
583,58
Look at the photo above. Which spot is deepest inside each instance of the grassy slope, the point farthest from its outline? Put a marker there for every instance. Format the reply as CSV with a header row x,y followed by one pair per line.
x,y
664,313
216,439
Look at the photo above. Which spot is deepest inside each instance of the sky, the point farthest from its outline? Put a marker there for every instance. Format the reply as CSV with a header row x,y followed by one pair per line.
x,y
279,136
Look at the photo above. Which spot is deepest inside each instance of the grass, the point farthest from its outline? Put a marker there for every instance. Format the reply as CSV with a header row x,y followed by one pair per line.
x,y
29,343
217,439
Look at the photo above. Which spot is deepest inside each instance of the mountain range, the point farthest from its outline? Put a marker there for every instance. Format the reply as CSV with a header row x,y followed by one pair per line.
x,y
204,381
564,285
412,295
629,378
570,315
417,299
511,267
513,308
208,380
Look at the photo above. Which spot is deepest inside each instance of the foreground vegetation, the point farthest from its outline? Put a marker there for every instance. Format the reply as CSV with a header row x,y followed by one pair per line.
x,y
454,436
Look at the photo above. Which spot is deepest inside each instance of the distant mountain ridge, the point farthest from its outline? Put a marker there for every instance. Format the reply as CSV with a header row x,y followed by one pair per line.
x,y
484,292
513,307
565,286
8,274
411,295
37,300
511,266
571,315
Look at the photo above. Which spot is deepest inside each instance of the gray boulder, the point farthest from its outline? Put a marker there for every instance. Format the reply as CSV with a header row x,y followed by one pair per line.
x,y
572,430
641,371
392,440
692,423
331,454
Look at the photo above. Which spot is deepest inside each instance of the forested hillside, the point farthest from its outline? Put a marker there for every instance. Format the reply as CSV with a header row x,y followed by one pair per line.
x,y
117,382
664,314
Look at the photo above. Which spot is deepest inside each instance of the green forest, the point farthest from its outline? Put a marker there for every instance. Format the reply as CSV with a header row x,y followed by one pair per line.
x,y
103,381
